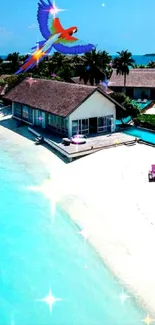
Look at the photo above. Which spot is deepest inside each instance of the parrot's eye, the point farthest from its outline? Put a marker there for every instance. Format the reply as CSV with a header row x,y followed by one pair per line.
x,y
75,31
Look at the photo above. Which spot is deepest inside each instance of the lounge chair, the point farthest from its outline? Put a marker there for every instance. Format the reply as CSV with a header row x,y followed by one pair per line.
x,y
139,100
39,140
151,174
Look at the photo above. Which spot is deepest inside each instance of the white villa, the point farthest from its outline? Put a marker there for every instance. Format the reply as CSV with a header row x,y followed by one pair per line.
x,y
63,108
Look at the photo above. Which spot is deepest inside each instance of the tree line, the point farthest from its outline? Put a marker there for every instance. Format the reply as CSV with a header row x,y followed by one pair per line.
x,y
91,68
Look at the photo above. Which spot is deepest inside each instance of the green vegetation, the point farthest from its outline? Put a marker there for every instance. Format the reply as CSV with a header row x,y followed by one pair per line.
x,y
145,120
123,63
91,68
131,109
150,65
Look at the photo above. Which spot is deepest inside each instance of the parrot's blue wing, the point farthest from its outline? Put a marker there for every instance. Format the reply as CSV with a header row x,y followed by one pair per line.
x,y
43,17
77,48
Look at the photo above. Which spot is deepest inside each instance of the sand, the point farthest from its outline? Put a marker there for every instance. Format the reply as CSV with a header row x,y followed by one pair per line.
x,y
108,195
111,198
150,110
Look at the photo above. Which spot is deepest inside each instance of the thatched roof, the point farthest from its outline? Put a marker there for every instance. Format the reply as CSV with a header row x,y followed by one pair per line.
x,y
5,76
3,90
77,80
136,78
59,98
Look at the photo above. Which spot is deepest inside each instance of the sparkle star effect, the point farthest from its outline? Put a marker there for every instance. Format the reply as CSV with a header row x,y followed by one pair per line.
x,y
31,81
83,233
123,297
50,300
54,10
50,188
148,320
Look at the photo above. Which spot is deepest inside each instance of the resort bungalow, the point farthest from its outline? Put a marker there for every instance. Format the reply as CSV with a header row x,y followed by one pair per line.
x,y
140,83
62,107
77,80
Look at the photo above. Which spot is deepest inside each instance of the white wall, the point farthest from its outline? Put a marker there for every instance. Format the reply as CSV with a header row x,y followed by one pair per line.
x,y
137,92
95,106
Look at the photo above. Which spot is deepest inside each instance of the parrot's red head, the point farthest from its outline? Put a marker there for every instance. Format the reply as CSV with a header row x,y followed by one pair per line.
x,y
72,30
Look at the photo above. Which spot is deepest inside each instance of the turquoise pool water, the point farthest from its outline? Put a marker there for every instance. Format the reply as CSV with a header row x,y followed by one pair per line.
x,y
39,253
141,107
141,133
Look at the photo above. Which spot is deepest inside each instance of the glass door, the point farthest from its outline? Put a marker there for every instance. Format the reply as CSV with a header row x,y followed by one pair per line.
x,y
85,126
109,120
101,125
75,127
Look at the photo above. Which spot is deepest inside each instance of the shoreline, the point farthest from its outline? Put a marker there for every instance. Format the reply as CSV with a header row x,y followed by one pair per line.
x,y
106,203
123,240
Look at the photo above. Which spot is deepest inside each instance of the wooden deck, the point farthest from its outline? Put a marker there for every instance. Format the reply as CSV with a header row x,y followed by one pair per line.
x,y
93,144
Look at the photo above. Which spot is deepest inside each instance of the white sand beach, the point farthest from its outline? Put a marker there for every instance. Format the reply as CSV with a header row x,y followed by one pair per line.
x,y
111,198
108,194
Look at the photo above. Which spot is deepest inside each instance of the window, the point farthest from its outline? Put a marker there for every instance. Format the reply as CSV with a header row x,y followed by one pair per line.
x,y
17,110
75,127
27,113
80,126
101,121
49,119
57,123
109,121
104,123
84,126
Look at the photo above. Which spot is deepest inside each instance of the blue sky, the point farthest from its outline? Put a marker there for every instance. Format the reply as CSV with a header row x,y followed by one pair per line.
x,y
118,25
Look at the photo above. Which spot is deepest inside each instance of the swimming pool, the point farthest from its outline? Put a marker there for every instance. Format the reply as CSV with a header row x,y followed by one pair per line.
x,y
141,133
141,107
39,253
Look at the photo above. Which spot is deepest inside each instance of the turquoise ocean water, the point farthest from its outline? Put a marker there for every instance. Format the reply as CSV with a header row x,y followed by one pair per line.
x,y
40,252
141,59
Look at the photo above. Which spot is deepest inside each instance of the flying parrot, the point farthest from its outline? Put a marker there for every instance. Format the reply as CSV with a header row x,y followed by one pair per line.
x,y
55,36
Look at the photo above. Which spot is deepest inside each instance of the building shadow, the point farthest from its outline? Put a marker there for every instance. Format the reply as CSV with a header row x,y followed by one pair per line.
x,y
8,122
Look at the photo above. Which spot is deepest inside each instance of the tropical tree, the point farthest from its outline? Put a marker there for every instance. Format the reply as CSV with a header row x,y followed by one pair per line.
x,y
92,70
14,59
130,108
151,65
106,63
1,65
13,80
139,66
123,63
59,61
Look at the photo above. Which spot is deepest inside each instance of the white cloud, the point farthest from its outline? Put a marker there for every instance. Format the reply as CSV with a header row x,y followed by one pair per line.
x,y
103,4
32,26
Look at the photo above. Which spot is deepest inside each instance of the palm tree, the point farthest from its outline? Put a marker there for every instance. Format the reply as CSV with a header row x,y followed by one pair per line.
x,y
151,64
123,63
59,61
139,66
14,59
1,65
92,70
